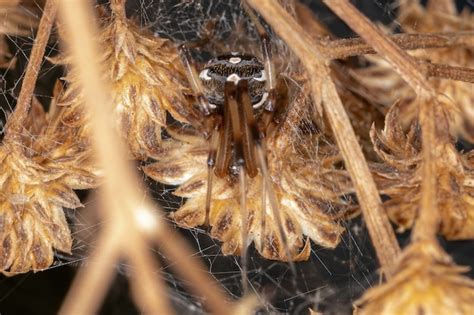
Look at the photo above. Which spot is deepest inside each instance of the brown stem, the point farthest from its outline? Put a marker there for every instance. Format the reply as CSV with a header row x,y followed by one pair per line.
x,y
448,72
19,115
118,7
343,48
91,282
427,223
398,58
324,89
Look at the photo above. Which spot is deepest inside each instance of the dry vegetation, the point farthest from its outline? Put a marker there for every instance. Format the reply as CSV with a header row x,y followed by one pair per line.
x,y
389,128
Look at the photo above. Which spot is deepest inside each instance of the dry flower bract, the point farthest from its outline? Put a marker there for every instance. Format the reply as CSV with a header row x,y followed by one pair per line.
x,y
308,183
426,282
39,171
147,81
400,177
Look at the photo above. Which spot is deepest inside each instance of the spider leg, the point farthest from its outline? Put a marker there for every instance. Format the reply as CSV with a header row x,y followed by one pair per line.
x,y
211,123
230,92
193,79
244,101
267,58
224,152
211,162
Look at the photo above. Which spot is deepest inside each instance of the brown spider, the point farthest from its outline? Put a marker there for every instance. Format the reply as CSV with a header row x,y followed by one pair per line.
x,y
256,168
238,96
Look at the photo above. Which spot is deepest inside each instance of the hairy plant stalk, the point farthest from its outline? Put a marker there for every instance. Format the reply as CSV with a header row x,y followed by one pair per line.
x,y
323,89
427,224
346,47
16,120
448,72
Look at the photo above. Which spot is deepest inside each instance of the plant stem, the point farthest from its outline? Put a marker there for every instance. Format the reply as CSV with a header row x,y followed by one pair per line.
x,y
16,121
343,48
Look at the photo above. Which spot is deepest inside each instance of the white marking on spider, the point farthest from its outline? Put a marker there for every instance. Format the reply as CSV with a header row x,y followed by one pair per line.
x,y
262,77
204,75
212,106
262,100
234,77
235,60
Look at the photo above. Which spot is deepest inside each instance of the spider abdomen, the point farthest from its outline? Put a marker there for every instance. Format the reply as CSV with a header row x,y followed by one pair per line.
x,y
233,67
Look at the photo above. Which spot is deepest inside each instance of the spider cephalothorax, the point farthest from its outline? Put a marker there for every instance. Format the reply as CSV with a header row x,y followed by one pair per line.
x,y
234,67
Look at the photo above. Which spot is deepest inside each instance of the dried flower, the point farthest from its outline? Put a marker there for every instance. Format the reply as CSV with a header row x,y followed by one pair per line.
x,y
308,183
147,80
39,171
400,177
426,282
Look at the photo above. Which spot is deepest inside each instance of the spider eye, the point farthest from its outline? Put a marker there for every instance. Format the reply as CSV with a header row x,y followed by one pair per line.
x,y
234,67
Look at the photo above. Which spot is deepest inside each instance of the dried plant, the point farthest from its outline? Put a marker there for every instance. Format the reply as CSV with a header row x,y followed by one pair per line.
x,y
42,162
147,82
40,169
314,156
308,183
401,174
387,87
426,282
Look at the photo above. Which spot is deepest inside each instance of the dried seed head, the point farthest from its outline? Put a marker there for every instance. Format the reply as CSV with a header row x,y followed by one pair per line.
x,y
37,181
147,80
309,189
400,177
426,282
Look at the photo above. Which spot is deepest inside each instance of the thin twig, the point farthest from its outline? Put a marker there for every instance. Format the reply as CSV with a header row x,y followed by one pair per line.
x,y
119,199
324,89
193,270
17,119
397,57
343,48
448,72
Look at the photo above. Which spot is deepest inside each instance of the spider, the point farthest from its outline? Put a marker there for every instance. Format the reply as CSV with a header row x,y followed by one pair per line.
x,y
258,156
238,96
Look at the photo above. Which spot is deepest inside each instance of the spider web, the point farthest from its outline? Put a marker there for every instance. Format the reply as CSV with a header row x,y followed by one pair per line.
x,y
330,281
